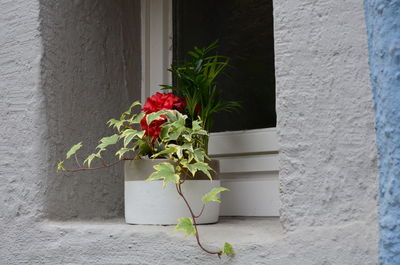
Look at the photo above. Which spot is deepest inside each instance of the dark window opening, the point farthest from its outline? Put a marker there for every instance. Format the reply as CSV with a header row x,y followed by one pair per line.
x,y
244,29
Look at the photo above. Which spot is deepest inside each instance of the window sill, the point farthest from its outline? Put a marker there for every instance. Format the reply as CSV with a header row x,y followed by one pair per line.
x,y
236,230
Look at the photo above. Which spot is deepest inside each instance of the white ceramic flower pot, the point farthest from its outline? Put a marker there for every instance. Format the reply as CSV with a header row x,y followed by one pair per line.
x,y
147,202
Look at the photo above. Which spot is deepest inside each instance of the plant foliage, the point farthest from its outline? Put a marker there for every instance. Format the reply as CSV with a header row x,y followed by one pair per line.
x,y
174,127
181,141
196,80
185,224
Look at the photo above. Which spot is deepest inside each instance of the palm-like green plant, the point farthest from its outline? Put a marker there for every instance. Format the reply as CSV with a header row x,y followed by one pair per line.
x,y
196,81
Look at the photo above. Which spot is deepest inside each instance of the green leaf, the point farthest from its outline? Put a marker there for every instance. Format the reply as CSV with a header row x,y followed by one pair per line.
x,y
193,54
73,149
129,111
60,166
123,115
178,150
134,104
213,195
137,118
116,124
180,122
106,141
165,128
155,116
90,158
166,172
196,125
130,134
199,155
201,132
170,149
199,166
196,81
120,153
185,224
187,137
127,132
144,147
173,134
128,139
188,147
228,249
172,116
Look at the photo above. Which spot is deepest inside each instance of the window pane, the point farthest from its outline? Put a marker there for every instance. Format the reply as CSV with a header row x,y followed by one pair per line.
x,y
244,29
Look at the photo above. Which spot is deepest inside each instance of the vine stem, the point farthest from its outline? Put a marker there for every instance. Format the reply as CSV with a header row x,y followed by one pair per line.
x,y
77,161
179,190
95,168
201,212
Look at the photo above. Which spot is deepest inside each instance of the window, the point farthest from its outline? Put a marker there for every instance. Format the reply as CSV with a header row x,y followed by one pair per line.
x,y
245,33
247,148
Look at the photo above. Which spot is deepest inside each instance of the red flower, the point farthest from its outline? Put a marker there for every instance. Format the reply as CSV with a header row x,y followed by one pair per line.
x,y
158,102
154,129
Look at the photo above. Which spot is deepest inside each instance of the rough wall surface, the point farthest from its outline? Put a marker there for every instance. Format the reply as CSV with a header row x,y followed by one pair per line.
x,y
325,122
325,113
114,242
22,115
384,53
90,72
325,118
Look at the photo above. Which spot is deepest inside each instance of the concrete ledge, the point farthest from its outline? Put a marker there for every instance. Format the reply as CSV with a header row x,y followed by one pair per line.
x,y
236,230
256,241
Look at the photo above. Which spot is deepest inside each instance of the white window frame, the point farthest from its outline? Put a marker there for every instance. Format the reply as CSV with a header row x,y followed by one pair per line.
x,y
156,44
248,159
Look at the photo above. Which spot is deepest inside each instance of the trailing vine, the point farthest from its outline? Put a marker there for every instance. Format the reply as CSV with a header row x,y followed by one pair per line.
x,y
177,142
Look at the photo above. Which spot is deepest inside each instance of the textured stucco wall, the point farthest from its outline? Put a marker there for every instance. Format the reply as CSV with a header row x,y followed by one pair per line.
x,y
90,73
22,113
325,113
65,68
384,56
80,74
326,120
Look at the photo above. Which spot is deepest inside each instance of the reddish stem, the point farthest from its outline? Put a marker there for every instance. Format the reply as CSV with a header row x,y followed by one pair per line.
x,y
76,160
201,212
179,190
95,168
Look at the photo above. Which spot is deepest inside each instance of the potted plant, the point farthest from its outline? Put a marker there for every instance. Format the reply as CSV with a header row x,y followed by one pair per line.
x,y
164,148
196,81
168,137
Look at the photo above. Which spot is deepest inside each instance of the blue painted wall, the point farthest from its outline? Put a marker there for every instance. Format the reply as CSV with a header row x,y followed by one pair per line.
x,y
383,26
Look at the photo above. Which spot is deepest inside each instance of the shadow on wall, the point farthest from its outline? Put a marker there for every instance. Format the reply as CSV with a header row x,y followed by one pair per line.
x,y
90,73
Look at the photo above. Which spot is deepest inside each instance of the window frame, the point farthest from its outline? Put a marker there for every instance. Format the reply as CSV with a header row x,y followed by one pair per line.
x,y
249,159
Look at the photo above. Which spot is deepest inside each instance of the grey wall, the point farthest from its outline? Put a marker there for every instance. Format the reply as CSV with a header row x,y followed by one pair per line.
x,y
22,121
90,73
325,113
67,66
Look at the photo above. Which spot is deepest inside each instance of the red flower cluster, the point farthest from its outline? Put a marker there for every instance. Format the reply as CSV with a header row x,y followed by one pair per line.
x,y
157,102
160,101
